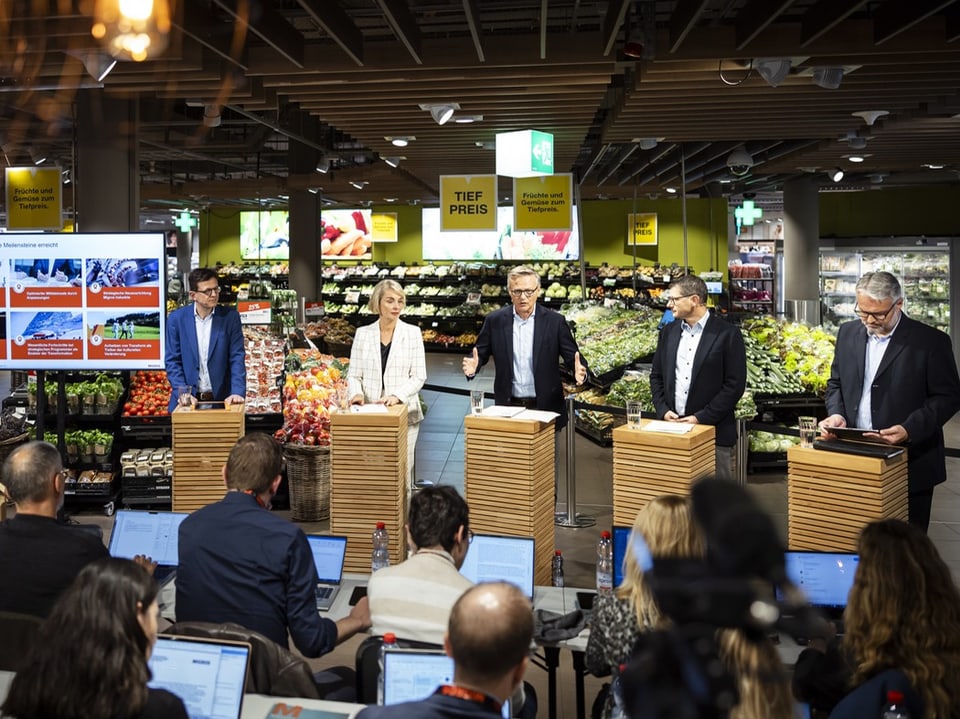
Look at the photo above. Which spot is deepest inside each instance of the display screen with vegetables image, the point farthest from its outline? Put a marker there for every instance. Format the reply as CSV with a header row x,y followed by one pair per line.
x,y
346,234
265,235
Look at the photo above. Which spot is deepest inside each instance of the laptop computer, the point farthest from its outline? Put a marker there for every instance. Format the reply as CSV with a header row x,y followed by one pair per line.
x,y
825,577
153,534
498,558
328,554
621,535
209,675
414,674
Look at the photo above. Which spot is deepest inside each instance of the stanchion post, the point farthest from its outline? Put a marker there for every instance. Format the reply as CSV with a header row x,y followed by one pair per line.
x,y
571,518
743,447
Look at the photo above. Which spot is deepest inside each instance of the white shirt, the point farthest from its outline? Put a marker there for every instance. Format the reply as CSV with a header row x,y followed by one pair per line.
x,y
876,348
686,351
523,385
204,326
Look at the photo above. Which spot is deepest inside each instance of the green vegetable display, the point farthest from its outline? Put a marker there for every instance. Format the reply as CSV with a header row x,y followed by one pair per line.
x,y
803,356
611,337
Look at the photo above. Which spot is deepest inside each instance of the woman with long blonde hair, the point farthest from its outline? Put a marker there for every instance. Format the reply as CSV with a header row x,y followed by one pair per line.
x,y
667,527
761,679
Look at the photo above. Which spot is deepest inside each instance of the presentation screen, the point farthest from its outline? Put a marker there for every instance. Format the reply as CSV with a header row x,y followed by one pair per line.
x,y
265,235
82,301
504,243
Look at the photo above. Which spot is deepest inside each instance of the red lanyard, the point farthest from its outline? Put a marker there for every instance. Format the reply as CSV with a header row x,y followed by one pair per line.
x,y
256,497
449,690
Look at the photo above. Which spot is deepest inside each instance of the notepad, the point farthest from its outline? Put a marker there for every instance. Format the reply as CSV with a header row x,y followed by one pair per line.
x,y
502,410
657,425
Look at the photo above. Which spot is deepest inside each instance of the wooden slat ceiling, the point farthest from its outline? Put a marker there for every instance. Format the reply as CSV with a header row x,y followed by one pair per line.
x,y
297,79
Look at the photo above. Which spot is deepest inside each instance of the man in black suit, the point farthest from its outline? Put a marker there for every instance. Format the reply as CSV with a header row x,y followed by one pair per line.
x,y
526,341
700,368
488,638
911,373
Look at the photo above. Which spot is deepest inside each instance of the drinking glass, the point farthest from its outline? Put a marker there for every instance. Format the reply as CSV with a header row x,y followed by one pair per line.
x,y
808,430
476,402
633,414
185,396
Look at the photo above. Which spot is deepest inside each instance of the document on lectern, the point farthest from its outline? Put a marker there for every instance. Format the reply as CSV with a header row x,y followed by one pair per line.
x,y
501,410
657,425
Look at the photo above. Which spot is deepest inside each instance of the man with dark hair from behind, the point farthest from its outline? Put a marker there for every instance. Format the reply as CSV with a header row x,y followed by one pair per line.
x,y
488,638
39,556
413,599
240,563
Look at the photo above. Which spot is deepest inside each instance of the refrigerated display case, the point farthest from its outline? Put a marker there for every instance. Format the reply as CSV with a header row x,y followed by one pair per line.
x,y
924,275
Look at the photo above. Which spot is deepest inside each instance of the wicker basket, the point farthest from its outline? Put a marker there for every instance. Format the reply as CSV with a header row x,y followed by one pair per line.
x,y
308,477
338,349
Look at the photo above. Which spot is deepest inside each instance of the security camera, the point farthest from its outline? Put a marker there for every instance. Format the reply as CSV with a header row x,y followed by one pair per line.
x,y
739,162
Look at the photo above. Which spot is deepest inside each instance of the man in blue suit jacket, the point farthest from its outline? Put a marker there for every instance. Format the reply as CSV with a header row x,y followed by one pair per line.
x,y
699,370
488,637
219,372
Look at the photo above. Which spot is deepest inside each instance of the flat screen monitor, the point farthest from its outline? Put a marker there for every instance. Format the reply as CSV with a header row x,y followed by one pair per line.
x,y
498,558
265,235
90,301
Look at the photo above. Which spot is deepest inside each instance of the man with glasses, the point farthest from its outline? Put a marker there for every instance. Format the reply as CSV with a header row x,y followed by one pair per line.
x,y
526,341
699,368
39,556
897,376
205,345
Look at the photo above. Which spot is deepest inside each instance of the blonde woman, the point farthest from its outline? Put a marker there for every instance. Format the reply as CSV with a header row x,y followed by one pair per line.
x,y
387,362
667,526
762,681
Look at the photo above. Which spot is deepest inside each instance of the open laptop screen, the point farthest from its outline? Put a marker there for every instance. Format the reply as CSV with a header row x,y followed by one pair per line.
x,y
825,577
410,675
621,535
207,674
153,534
497,558
328,555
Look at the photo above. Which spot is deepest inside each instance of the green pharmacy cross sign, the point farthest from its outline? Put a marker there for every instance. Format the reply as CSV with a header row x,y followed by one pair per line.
x,y
185,221
746,214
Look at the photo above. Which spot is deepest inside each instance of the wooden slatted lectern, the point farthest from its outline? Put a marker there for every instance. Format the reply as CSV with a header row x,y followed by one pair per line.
x,y
368,481
202,440
509,481
647,464
831,495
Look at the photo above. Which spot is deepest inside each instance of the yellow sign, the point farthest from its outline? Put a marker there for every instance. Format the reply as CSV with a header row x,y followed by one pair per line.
x,y
543,203
468,202
34,200
644,228
384,226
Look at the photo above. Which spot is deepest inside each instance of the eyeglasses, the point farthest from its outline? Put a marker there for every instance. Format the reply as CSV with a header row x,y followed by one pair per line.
x,y
212,292
878,316
469,536
674,300
524,293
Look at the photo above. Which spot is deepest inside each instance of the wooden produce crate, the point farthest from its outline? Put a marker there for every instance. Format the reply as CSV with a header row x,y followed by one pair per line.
x,y
202,440
647,464
368,481
831,496
509,477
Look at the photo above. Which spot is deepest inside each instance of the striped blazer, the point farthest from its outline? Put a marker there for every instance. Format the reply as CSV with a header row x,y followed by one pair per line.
x,y
406,369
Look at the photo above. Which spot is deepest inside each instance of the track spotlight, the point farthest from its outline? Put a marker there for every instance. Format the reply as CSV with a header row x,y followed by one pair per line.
x,y
38,156
97,64
399,141
772,69
211,116
828,78
442,112
870,116
647,143
836,174
323,165
393,161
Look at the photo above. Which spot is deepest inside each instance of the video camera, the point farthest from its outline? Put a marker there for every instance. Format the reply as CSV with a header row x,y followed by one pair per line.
x,y
677,673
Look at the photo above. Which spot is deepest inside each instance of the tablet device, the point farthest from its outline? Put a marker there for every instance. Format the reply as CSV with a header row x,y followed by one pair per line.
x,y
855,434
210,405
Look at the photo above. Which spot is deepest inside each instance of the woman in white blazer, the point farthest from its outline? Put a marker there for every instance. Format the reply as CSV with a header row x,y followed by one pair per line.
x,y
387,363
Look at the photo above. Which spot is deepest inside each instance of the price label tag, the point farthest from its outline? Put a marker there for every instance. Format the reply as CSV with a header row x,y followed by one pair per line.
x,y
666,277
611,302
313,309
610,282
473,298
434,324
352,297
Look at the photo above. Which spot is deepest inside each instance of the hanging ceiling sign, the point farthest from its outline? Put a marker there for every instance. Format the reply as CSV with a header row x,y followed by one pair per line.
x,y
384,227
468,202
34,198
526,153
543,203
642,228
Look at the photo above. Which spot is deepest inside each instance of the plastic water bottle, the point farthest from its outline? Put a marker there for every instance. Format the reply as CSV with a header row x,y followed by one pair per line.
x,y
381,548
896,708
616,709
557,569
388,644
605,563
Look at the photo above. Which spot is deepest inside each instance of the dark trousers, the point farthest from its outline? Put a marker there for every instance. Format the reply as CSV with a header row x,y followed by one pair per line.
x,y
919,508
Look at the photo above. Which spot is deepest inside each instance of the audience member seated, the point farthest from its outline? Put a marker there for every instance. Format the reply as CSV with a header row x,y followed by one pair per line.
x,y
668,528
240,563
762,681
413,599
90,660
488,638
902,633
39,556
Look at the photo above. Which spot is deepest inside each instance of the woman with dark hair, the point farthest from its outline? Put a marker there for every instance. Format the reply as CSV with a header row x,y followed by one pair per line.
x,y
89,660
902,632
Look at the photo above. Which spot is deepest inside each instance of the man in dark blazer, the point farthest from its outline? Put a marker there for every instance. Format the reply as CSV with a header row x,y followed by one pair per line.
x,y
488,638
526,341
912,375
700,368
221,374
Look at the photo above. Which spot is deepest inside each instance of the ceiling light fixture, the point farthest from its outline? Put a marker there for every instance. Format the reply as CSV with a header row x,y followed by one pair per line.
x,y
132,30
928,165
773,69
647,143
829,78
359,184
66,177
836,174
870,116
671,190
393,161
399,141
323,165
38,156
467,119
857,142
441,112
313,190
856,158
97,64
211,116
